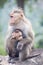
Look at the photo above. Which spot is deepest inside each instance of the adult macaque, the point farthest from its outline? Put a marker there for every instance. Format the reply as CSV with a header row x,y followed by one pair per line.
x,y
12,41
19,21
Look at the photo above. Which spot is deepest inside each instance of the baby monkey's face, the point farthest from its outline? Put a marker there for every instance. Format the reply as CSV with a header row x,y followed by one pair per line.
x,y
17,35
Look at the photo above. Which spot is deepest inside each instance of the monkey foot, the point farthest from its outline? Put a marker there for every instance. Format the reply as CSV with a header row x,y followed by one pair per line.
x,y
11,61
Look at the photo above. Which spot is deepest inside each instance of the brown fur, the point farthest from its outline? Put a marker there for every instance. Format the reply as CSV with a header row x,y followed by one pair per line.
x,y
12,43
24,48
19,21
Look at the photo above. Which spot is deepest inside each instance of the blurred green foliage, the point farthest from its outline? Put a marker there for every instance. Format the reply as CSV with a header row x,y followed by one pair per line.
x,y
2,2
41,22
0,28
40,43
2,47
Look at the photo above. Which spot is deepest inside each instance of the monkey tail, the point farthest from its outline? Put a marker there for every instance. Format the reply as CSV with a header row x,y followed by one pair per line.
x,y
29,57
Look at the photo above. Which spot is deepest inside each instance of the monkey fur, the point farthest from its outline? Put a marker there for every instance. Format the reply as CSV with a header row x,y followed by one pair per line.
x,y
24,48
18,21
11,45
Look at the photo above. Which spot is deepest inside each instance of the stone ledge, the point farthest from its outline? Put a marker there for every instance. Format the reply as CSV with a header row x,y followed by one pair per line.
x,y
33,61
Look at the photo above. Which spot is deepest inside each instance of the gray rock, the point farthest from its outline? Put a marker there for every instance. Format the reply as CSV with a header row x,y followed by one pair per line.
x,y
32,61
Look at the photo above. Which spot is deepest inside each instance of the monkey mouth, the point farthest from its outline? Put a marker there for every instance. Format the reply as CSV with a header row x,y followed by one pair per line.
x,y
11,16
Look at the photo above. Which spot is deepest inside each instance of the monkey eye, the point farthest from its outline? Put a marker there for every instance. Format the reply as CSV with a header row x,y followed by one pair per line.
x,y
11,16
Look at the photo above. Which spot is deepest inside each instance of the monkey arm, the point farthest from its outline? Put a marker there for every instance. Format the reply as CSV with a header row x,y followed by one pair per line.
x,y
31,37
31,34
30,30
23,42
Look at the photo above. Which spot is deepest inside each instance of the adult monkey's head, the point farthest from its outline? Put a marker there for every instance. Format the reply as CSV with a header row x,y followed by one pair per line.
x,y
15,16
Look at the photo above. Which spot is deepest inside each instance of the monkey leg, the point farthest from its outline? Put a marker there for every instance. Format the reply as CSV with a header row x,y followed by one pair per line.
x,y
23,42
13,55
24,49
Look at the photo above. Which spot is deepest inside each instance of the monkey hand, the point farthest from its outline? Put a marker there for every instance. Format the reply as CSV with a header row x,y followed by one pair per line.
x,y
20,46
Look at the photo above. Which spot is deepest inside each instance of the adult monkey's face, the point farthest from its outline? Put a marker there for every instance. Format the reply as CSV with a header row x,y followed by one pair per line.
x,y
16,15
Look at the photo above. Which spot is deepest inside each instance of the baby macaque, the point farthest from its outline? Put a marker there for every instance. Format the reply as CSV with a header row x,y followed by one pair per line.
x,y
11,46
22,47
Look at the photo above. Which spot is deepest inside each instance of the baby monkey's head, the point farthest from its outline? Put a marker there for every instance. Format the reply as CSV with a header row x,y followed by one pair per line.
x,y
16,16
17,34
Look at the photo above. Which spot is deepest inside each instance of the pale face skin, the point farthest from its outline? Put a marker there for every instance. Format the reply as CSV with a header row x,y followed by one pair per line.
x,y
17,35
15,16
